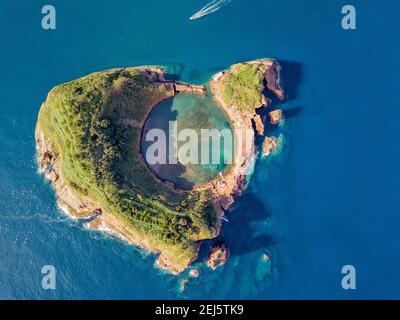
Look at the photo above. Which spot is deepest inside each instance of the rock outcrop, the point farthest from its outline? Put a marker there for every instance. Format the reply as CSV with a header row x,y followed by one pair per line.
x,y
77,206
194,273
276,116
272,79
219,254
181,87
270,145
259,124
234,181
266,257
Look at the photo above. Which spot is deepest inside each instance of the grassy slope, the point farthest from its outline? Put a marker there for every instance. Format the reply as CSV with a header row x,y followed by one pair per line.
x,y
243,86
86,120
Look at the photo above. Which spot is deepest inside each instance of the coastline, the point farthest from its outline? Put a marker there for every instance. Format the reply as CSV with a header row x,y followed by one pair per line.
x,y
82,207
225,188
78,206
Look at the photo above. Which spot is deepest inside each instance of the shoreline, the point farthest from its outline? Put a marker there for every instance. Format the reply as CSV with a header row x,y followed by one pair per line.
x,y
82,207
234,178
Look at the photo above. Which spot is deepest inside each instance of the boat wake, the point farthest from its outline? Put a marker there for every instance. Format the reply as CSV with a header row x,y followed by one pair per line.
x,y
209,8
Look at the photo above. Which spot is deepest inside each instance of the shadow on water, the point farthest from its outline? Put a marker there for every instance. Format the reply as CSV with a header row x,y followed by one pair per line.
x,y
239,233
292,76
292,112
248,210
173,70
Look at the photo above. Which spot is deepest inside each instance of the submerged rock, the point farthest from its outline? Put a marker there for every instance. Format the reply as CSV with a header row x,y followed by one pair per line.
x,y
263,271
265,257
182,285
218,256
194,273
270,145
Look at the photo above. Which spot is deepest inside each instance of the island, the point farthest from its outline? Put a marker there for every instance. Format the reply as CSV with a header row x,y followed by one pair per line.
x,y
88,137
219,254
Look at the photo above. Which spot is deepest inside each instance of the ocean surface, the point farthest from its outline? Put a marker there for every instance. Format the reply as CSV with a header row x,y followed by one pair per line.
x,y
330,199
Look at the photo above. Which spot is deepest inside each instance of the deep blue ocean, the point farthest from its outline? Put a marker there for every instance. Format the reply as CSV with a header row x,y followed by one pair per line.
x,y
331,199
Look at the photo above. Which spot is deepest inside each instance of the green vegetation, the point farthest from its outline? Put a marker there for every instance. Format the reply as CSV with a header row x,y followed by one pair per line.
x,y
243,86
95,126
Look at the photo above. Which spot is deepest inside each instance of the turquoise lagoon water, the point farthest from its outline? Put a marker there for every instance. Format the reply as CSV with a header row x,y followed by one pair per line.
x,y
330,199
193,112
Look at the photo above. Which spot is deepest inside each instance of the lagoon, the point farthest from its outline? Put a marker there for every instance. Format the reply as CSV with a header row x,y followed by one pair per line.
x,y
193,112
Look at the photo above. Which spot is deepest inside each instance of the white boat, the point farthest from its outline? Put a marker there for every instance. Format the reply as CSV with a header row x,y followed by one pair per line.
x,y
211,7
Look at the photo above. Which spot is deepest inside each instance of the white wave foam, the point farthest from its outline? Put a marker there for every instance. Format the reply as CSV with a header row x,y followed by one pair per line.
x,y
65,210
103,227
209,8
